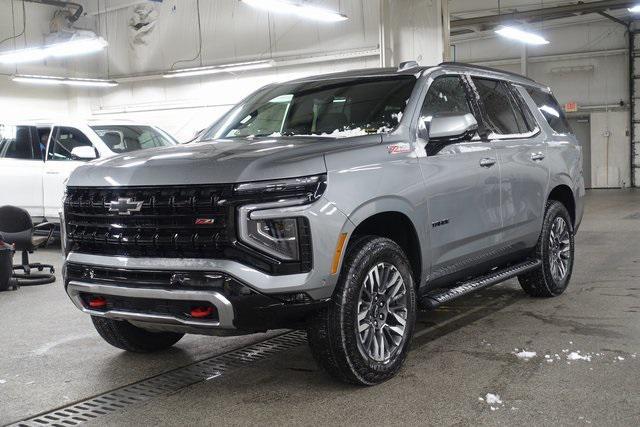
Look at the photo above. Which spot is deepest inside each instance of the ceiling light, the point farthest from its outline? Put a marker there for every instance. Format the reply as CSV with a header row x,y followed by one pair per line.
x,y
634,9
302,10
67,81
521,35
228,68
72,47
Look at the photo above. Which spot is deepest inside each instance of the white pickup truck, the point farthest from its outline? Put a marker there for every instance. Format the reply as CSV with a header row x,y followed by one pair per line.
x,y
37,158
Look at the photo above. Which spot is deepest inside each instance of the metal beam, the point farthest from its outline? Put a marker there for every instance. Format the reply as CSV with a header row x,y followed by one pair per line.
x,y
547,13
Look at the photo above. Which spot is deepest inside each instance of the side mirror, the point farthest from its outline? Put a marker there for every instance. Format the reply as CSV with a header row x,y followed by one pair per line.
x,y
84,152
447,127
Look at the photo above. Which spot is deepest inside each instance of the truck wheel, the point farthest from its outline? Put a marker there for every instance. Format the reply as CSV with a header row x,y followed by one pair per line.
x,y
363,336
124,335
555,248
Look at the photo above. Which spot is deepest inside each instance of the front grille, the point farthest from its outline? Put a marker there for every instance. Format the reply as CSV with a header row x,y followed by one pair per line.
x,y
164,226
171,222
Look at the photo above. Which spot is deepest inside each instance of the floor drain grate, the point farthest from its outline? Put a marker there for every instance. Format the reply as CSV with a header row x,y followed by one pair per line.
x,y
169,382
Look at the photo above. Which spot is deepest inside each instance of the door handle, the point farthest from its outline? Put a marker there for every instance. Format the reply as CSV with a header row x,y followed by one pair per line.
x,y
487,162
537,156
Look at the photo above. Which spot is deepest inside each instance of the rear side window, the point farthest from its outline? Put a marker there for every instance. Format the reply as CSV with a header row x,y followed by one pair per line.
x,y
64,141
16,142
502,113
550,109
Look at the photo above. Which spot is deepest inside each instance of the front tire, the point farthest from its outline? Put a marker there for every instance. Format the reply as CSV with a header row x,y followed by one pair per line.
x,y
555,249
124,335
363,336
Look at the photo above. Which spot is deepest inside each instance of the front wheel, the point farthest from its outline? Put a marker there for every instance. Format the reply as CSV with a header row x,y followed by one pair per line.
x,y
363,336
124,335
555,249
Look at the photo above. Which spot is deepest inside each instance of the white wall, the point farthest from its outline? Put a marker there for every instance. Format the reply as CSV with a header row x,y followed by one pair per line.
x,y
231,32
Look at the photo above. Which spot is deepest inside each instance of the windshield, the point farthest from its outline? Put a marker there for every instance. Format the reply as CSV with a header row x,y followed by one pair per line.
x,y
336,108
126,138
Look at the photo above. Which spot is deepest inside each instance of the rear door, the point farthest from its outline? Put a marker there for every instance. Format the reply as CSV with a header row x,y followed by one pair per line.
x,y
521,150
21,166
463,188
60,162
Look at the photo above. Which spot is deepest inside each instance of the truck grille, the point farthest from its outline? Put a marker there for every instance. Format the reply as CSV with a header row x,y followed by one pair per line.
x,y
170,222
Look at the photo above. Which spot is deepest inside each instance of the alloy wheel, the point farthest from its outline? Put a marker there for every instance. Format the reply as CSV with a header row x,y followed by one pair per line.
x,y
382,313
559,249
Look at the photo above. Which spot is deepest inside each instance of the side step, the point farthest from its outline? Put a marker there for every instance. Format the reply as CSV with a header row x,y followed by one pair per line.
x,y
437,297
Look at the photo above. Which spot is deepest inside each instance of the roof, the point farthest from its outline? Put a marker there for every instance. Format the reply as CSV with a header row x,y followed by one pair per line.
x,y
506,75
364,72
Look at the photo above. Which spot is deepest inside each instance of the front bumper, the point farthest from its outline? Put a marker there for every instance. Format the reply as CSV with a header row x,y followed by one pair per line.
x,y
237,309
266,302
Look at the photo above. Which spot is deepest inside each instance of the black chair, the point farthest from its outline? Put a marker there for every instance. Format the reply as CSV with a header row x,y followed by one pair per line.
x,y
17,229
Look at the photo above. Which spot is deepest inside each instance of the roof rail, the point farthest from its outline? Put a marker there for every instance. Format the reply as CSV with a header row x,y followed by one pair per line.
x,y
480,67
408,65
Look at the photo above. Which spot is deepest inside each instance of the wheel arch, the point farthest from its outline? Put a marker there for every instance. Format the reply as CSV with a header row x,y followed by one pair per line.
x,y
562,193
397,226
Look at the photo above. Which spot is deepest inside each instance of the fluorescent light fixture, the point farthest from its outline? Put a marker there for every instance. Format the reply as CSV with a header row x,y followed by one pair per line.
x,y
302,10
66,81
72,47
521,35
227,68
634,9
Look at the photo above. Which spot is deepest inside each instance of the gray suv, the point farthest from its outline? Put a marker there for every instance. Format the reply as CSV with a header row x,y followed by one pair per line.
x,y
340,204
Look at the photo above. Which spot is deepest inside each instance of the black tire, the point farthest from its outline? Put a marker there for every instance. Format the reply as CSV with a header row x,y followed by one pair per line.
x,y
124,335
541,282
333,333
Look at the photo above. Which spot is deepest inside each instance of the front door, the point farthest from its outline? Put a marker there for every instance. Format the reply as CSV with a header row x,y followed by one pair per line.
x,y
59,165
463,188
21,165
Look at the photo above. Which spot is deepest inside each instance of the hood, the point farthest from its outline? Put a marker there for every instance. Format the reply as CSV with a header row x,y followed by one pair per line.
x,y
218,161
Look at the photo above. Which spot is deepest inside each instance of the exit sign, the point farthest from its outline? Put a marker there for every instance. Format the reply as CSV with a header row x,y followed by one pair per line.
x,y
571,107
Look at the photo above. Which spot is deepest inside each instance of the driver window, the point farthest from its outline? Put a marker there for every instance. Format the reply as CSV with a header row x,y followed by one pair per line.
x,y
64,141
446,95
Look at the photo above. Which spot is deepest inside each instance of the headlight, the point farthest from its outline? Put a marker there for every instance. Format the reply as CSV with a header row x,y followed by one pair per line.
x,y
310,187
278,237
281,236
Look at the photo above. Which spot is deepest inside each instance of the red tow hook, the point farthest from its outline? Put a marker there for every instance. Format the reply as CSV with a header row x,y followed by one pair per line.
x,y
201,312
97,302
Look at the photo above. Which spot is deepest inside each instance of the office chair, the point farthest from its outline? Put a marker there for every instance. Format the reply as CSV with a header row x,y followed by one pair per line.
x,y
17,230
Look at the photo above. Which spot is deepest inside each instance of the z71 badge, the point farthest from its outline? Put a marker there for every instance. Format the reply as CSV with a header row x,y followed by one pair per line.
x,y
205,221
399,148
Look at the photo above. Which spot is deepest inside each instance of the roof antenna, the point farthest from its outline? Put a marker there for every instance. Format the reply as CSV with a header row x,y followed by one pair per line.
x,y
407,65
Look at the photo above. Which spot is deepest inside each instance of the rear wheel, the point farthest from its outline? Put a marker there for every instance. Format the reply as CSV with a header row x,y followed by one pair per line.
x,y
124,335
555,249
363,336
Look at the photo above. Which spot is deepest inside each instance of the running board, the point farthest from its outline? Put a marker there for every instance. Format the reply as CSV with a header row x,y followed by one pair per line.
x,y
437,297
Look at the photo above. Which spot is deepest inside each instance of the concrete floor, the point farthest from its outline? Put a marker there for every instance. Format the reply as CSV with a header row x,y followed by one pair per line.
x,y
50,355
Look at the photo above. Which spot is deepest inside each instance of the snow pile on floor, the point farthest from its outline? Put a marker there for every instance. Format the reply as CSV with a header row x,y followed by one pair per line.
x,y
525,355
575,355
493,400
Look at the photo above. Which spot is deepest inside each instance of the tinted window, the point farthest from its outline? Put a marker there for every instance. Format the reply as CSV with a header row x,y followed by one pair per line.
x,y
64,141
15,142
446,95
550,109
501,113
125,138
334,107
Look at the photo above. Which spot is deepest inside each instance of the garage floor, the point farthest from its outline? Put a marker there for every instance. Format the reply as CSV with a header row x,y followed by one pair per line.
x,y
585,371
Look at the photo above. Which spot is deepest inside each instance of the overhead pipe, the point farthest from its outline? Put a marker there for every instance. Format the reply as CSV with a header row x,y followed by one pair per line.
x,y
579,8
59,3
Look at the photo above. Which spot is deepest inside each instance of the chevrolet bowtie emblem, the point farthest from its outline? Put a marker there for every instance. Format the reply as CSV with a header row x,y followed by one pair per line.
x,y
125,206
